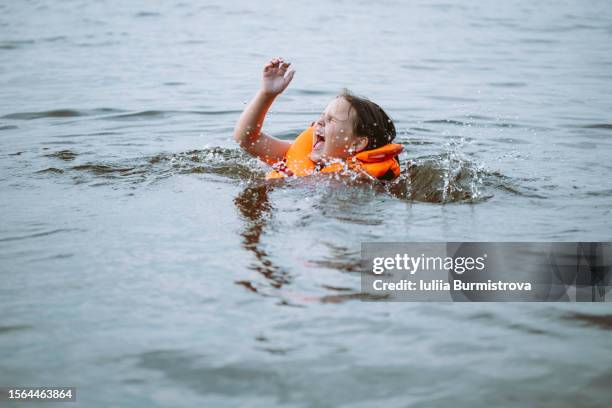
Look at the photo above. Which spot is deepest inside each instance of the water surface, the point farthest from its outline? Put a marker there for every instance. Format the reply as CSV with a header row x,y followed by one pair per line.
x,y
144,260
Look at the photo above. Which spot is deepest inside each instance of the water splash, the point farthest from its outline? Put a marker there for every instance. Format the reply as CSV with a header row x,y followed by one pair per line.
x,y
449,177
231,164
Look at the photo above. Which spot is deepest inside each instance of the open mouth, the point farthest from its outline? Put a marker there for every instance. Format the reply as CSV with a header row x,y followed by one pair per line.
x,y
318,142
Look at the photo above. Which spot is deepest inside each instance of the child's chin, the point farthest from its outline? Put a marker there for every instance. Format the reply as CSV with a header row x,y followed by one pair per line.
x,y
315,157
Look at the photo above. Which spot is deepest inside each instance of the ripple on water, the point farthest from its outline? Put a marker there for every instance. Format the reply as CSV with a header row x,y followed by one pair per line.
x,y
606,126
66,155
231,164
13,328
15,44
443,178
36,234
101,168
53,170
154,114
603,322
57,113
303,91
508,84
147,14
476,121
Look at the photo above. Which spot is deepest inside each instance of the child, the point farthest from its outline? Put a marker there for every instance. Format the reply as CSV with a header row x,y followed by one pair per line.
x,y
352,135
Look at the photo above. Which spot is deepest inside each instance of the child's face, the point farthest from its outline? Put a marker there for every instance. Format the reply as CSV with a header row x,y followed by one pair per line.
x,y
333,136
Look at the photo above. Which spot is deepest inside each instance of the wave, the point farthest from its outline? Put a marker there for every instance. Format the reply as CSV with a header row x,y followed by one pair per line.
x,y
57,113
112,114
444,178
231,164
607,126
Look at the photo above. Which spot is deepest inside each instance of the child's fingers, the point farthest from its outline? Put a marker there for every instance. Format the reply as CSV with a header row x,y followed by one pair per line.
x,y
273,63
290,75
284,66
277,62
287,79
269,64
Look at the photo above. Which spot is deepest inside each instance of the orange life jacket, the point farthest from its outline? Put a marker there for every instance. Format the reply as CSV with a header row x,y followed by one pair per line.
x,y
378,163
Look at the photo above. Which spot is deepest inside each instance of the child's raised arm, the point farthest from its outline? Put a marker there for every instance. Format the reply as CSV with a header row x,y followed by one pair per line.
x,y
248,129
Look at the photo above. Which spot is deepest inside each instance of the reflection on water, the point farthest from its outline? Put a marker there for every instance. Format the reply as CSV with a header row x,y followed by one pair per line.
x,y
255,209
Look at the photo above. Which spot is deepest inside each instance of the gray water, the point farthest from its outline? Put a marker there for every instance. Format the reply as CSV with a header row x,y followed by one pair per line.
x,y
144,260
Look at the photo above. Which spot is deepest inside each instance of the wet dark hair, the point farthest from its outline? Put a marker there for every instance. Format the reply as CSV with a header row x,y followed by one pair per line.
x,y
370,120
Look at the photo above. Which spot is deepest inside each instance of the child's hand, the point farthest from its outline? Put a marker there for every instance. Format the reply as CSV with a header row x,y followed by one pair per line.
x,y
274,80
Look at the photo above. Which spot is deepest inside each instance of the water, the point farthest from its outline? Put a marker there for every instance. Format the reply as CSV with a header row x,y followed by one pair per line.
x,y
144,260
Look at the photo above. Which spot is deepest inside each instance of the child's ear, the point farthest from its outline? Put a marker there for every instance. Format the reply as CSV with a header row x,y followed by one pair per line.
x,y
360,144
